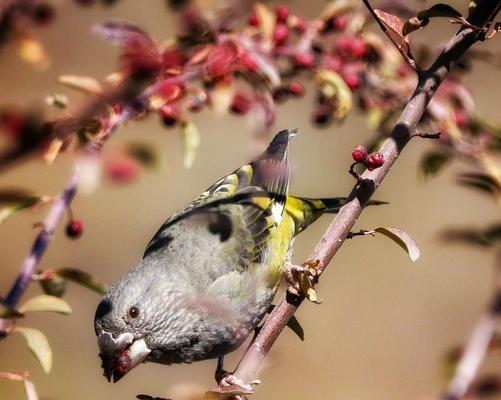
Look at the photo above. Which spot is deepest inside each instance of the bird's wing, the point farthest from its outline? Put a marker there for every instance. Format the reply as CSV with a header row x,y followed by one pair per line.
x,y
254,194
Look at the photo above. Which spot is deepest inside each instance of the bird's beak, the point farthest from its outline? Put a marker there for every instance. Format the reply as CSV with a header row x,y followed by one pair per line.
x,y
119,355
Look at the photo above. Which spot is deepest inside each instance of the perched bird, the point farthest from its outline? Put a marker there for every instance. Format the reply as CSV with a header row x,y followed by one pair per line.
x,y
209,274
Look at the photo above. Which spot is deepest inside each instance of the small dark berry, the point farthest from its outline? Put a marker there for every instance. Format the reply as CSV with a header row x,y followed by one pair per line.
x,y
374,160
282,12
240,105
43,13
168,115
280,94
253,19
280,34
74,228
360,153
322,116
296,89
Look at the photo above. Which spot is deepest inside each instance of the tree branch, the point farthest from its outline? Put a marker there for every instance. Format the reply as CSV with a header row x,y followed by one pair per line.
x,y
344,221
476,348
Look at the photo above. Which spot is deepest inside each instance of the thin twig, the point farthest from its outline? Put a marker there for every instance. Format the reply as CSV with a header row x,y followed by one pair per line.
x,y
476,348
344,221
63,201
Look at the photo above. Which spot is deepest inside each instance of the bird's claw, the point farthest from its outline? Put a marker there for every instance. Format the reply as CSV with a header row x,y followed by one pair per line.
x,y
229,386
303,278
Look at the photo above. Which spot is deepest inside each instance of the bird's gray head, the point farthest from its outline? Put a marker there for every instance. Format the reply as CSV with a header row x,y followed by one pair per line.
x,y
128,320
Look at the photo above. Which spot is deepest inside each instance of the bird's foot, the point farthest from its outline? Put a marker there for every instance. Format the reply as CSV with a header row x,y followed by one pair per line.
x,y
229,386
303,278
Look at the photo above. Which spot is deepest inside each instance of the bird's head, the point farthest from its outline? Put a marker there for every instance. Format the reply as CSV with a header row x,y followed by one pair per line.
x,y
128,322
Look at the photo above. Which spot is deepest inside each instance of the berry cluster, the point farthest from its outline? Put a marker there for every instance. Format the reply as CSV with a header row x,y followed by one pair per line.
x,y
371,161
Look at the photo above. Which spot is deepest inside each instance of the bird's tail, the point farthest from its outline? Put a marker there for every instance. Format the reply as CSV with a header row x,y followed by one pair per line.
x,y
304,211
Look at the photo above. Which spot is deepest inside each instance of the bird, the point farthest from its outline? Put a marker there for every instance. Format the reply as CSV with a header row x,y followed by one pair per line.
x,y
210,273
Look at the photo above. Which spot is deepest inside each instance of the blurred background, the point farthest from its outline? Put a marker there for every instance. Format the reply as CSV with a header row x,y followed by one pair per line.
x,y
385,323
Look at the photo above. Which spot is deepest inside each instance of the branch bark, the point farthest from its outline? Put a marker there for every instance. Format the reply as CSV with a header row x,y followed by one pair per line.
x,y
476,348
334,237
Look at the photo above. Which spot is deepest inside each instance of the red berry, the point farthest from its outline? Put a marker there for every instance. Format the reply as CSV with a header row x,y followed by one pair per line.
x,y
339,22
358,48
282,12
322,115
169,115
304,60
280,34
374,160
123,169
359,154
43,13
240,104
74,228
352,80
253,19
296,88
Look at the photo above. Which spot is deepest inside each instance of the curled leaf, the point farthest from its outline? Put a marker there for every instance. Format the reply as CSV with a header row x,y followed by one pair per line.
x,y
85,84
440,10
414,24
38,345
46,302
75,275
475,237
395,30
333,86
15,200
190,141
402,239
480,181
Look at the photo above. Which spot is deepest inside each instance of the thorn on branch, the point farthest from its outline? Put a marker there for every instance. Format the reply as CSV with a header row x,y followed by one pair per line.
x,y
362,232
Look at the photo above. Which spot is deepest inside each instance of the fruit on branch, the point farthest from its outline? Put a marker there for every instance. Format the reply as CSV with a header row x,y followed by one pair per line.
x,y
360,153
374,160
74,228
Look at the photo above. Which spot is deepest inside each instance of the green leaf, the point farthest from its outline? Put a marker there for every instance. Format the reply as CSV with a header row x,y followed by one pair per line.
x,y
44,302
190,141
467,236
54,286
402,239
334,87
440,10
480,181
38,345
7,312
75,275
15,200
143,153
432,162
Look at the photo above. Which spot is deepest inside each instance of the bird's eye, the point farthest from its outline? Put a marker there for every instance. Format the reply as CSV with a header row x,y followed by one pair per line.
x,y
133,312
